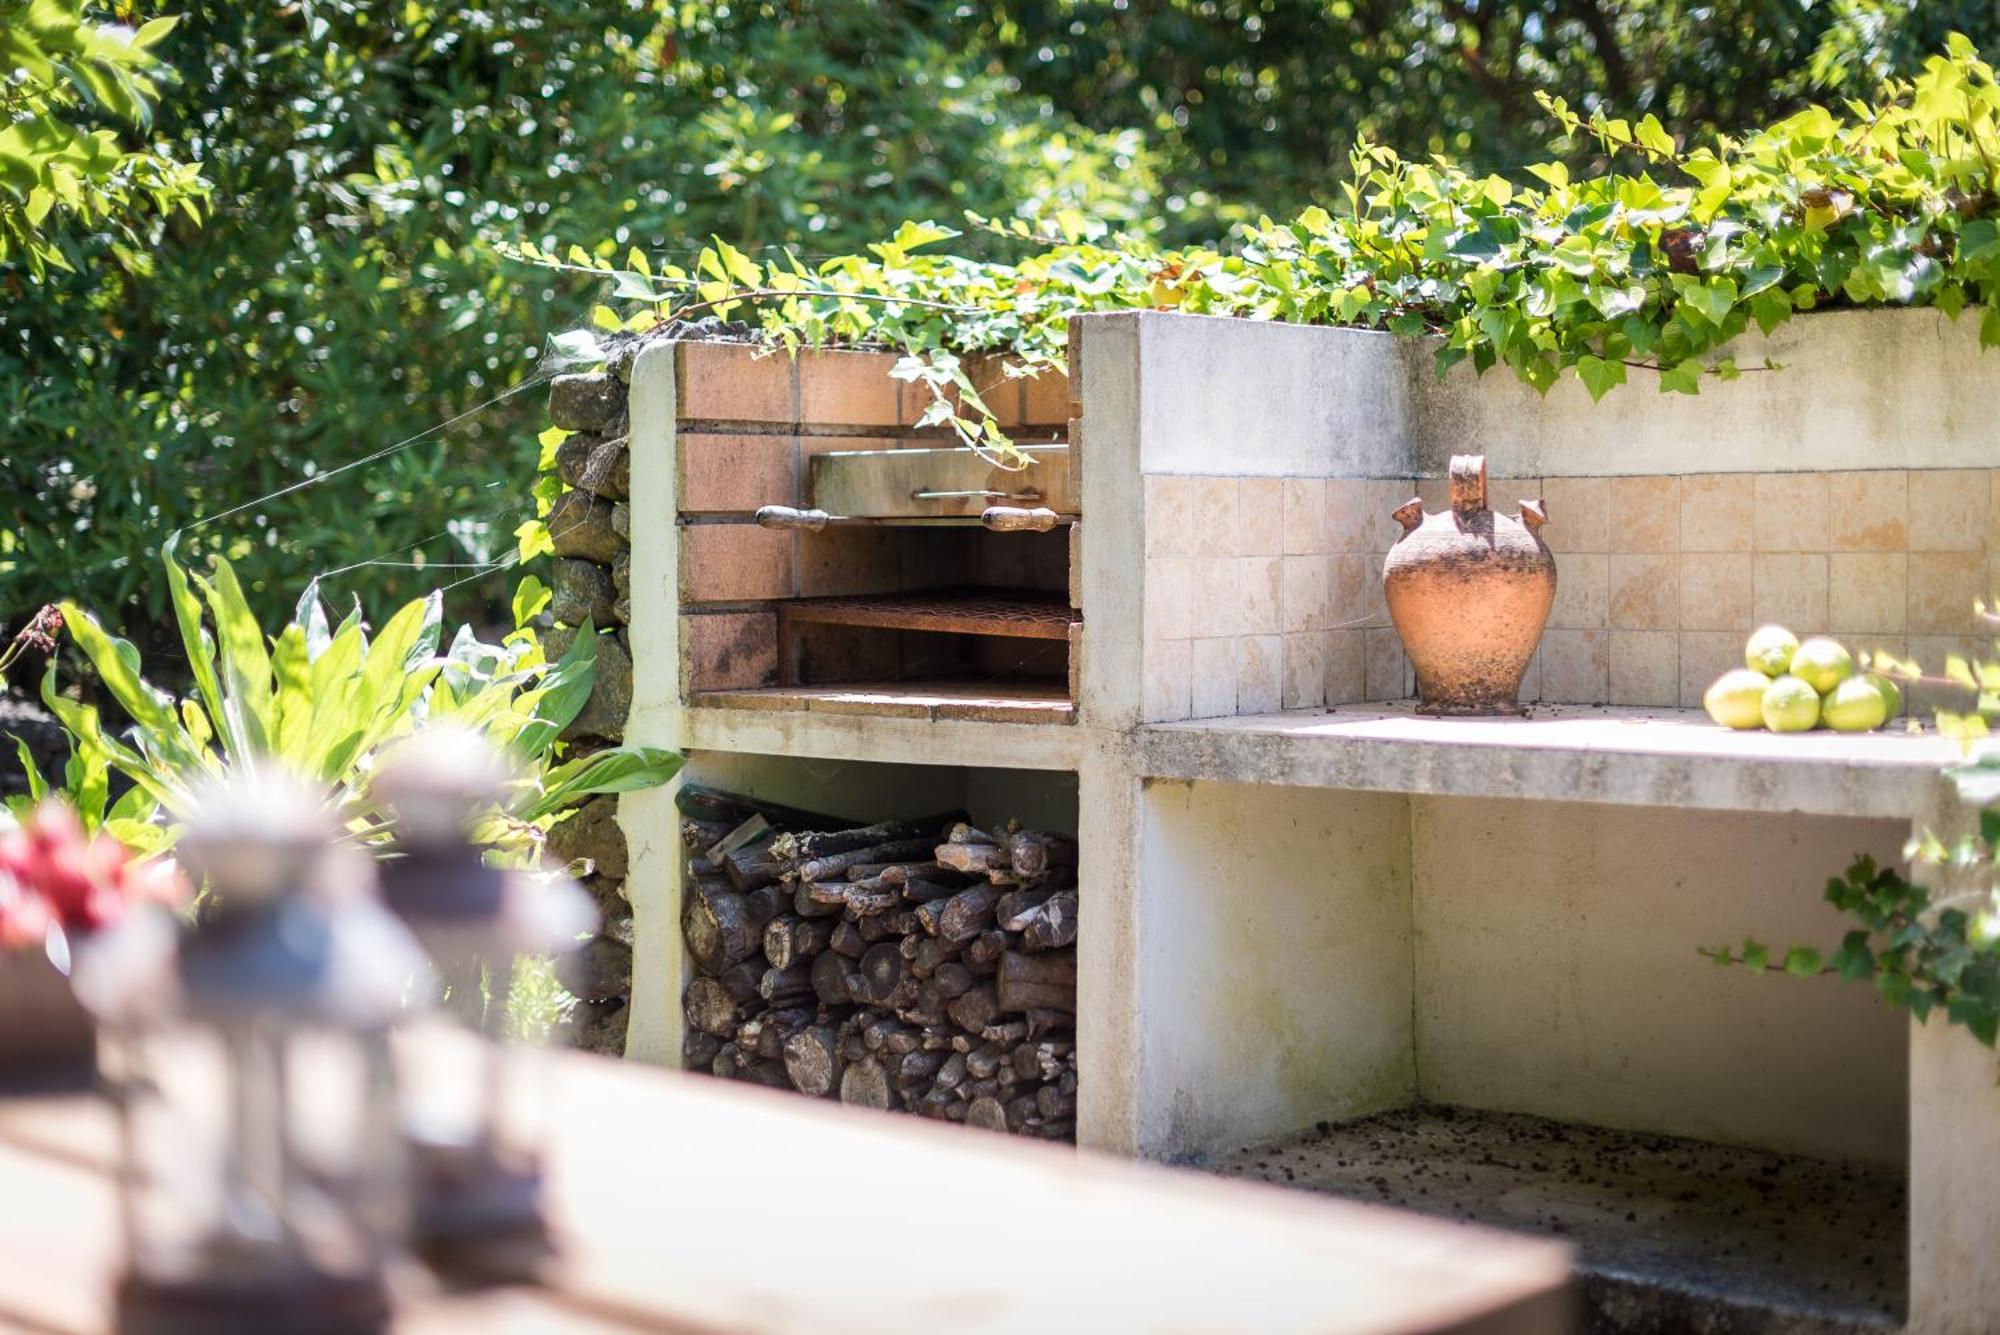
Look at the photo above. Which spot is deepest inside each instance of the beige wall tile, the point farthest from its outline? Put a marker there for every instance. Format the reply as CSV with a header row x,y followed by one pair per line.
x,y
1169,515
1645,514
1385,668
1215,516
1213,672
1576,666
1169,597
1583,592
1579,514
1950,509
1305,669
1349,521
1260,674
1791,512
1354,592
1382,498
1943,588
1346,672
1644,592
1718,511
1305,602
1645,667
1868,512
1167,692
1218,596
736,382
1260,516
1867,592
1791,591
1531,681
1930,652
1715,591
1046,399
1706,655
1306,519
1262,581
1435,493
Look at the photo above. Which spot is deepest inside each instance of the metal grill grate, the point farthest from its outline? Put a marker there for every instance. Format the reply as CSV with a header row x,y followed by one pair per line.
x,y
1013,615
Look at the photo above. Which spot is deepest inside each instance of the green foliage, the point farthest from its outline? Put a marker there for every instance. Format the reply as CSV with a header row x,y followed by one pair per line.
x,y
1256,102
1655,271
324,700
60,173
1922,952
342,297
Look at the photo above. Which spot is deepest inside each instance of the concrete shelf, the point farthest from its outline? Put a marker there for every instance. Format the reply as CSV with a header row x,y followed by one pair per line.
x,y
1570,753
1674,1234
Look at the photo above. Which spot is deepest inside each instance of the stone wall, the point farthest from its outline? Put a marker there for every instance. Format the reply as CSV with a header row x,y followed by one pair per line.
x,y
589,576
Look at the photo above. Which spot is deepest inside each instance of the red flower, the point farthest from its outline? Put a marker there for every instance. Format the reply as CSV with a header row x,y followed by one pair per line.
x,y
52,871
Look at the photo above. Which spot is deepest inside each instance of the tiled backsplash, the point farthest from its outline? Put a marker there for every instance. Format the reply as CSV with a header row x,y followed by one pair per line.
x,y
1265,593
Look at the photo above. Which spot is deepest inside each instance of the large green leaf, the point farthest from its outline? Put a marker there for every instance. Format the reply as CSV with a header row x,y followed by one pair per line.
x,y
246,663
621,769
200,649
117,664
561,697
293,704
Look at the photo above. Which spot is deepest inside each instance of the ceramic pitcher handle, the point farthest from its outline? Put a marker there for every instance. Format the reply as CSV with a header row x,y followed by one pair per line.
x,y
1468,483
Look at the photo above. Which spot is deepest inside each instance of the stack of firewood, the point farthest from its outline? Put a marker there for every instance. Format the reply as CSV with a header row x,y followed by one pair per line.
x,y
923,965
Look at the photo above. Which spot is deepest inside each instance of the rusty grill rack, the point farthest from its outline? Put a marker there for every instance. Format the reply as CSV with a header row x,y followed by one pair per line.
x,y
1013,615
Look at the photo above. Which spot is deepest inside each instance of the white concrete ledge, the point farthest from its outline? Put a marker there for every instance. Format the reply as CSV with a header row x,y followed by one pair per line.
x,y
1623,757
812,734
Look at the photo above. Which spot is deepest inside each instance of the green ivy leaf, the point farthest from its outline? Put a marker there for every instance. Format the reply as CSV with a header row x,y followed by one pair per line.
x,y
1600,375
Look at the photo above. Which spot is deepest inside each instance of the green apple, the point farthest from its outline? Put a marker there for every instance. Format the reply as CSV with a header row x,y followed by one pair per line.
x,y
1736,700
1770,650
1790,705
1822,664
1856,705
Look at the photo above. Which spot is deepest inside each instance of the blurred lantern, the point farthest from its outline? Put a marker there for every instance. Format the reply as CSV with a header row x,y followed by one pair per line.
x,y
471,1107
261,1187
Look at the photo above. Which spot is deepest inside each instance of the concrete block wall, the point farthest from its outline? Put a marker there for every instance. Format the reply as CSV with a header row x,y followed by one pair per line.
x,y
1853,501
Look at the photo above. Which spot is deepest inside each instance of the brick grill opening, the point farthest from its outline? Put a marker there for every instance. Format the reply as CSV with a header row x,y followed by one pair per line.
x,y
921,966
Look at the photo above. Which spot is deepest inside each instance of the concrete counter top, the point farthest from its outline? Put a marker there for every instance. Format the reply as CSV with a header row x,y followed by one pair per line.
x,y
1620,756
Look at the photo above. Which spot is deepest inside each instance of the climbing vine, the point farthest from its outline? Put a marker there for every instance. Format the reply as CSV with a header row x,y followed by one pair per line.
x,y
1647,271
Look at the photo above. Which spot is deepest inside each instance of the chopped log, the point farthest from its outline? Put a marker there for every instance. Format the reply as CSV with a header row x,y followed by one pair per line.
x,y
961,833
834,865
732,1063
752,868
833,978
1050,925
982,859
1019,1109
1042,1020
806,906
698,1050
931,952
984,1060
1053,1102
927,1007
697,835
881,970
704,803
1006,1032
952,1074
983,955
1037,982
967,913
1014,903
953,978
789,940
829,895
988,1114
917,1068
805,845
1034,854
716,1005
786,984
722,927
1063,1130
754,830
865,1085
975,1008
922,890
846,940
938,1037
865,899
765,1034
812,1060
877,928
937,1104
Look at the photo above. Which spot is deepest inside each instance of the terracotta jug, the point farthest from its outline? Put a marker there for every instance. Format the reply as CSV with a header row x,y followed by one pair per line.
x,y
1469,592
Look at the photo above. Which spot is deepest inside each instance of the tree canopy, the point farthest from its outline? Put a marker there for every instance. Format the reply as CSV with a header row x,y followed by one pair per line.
x,y
342,311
